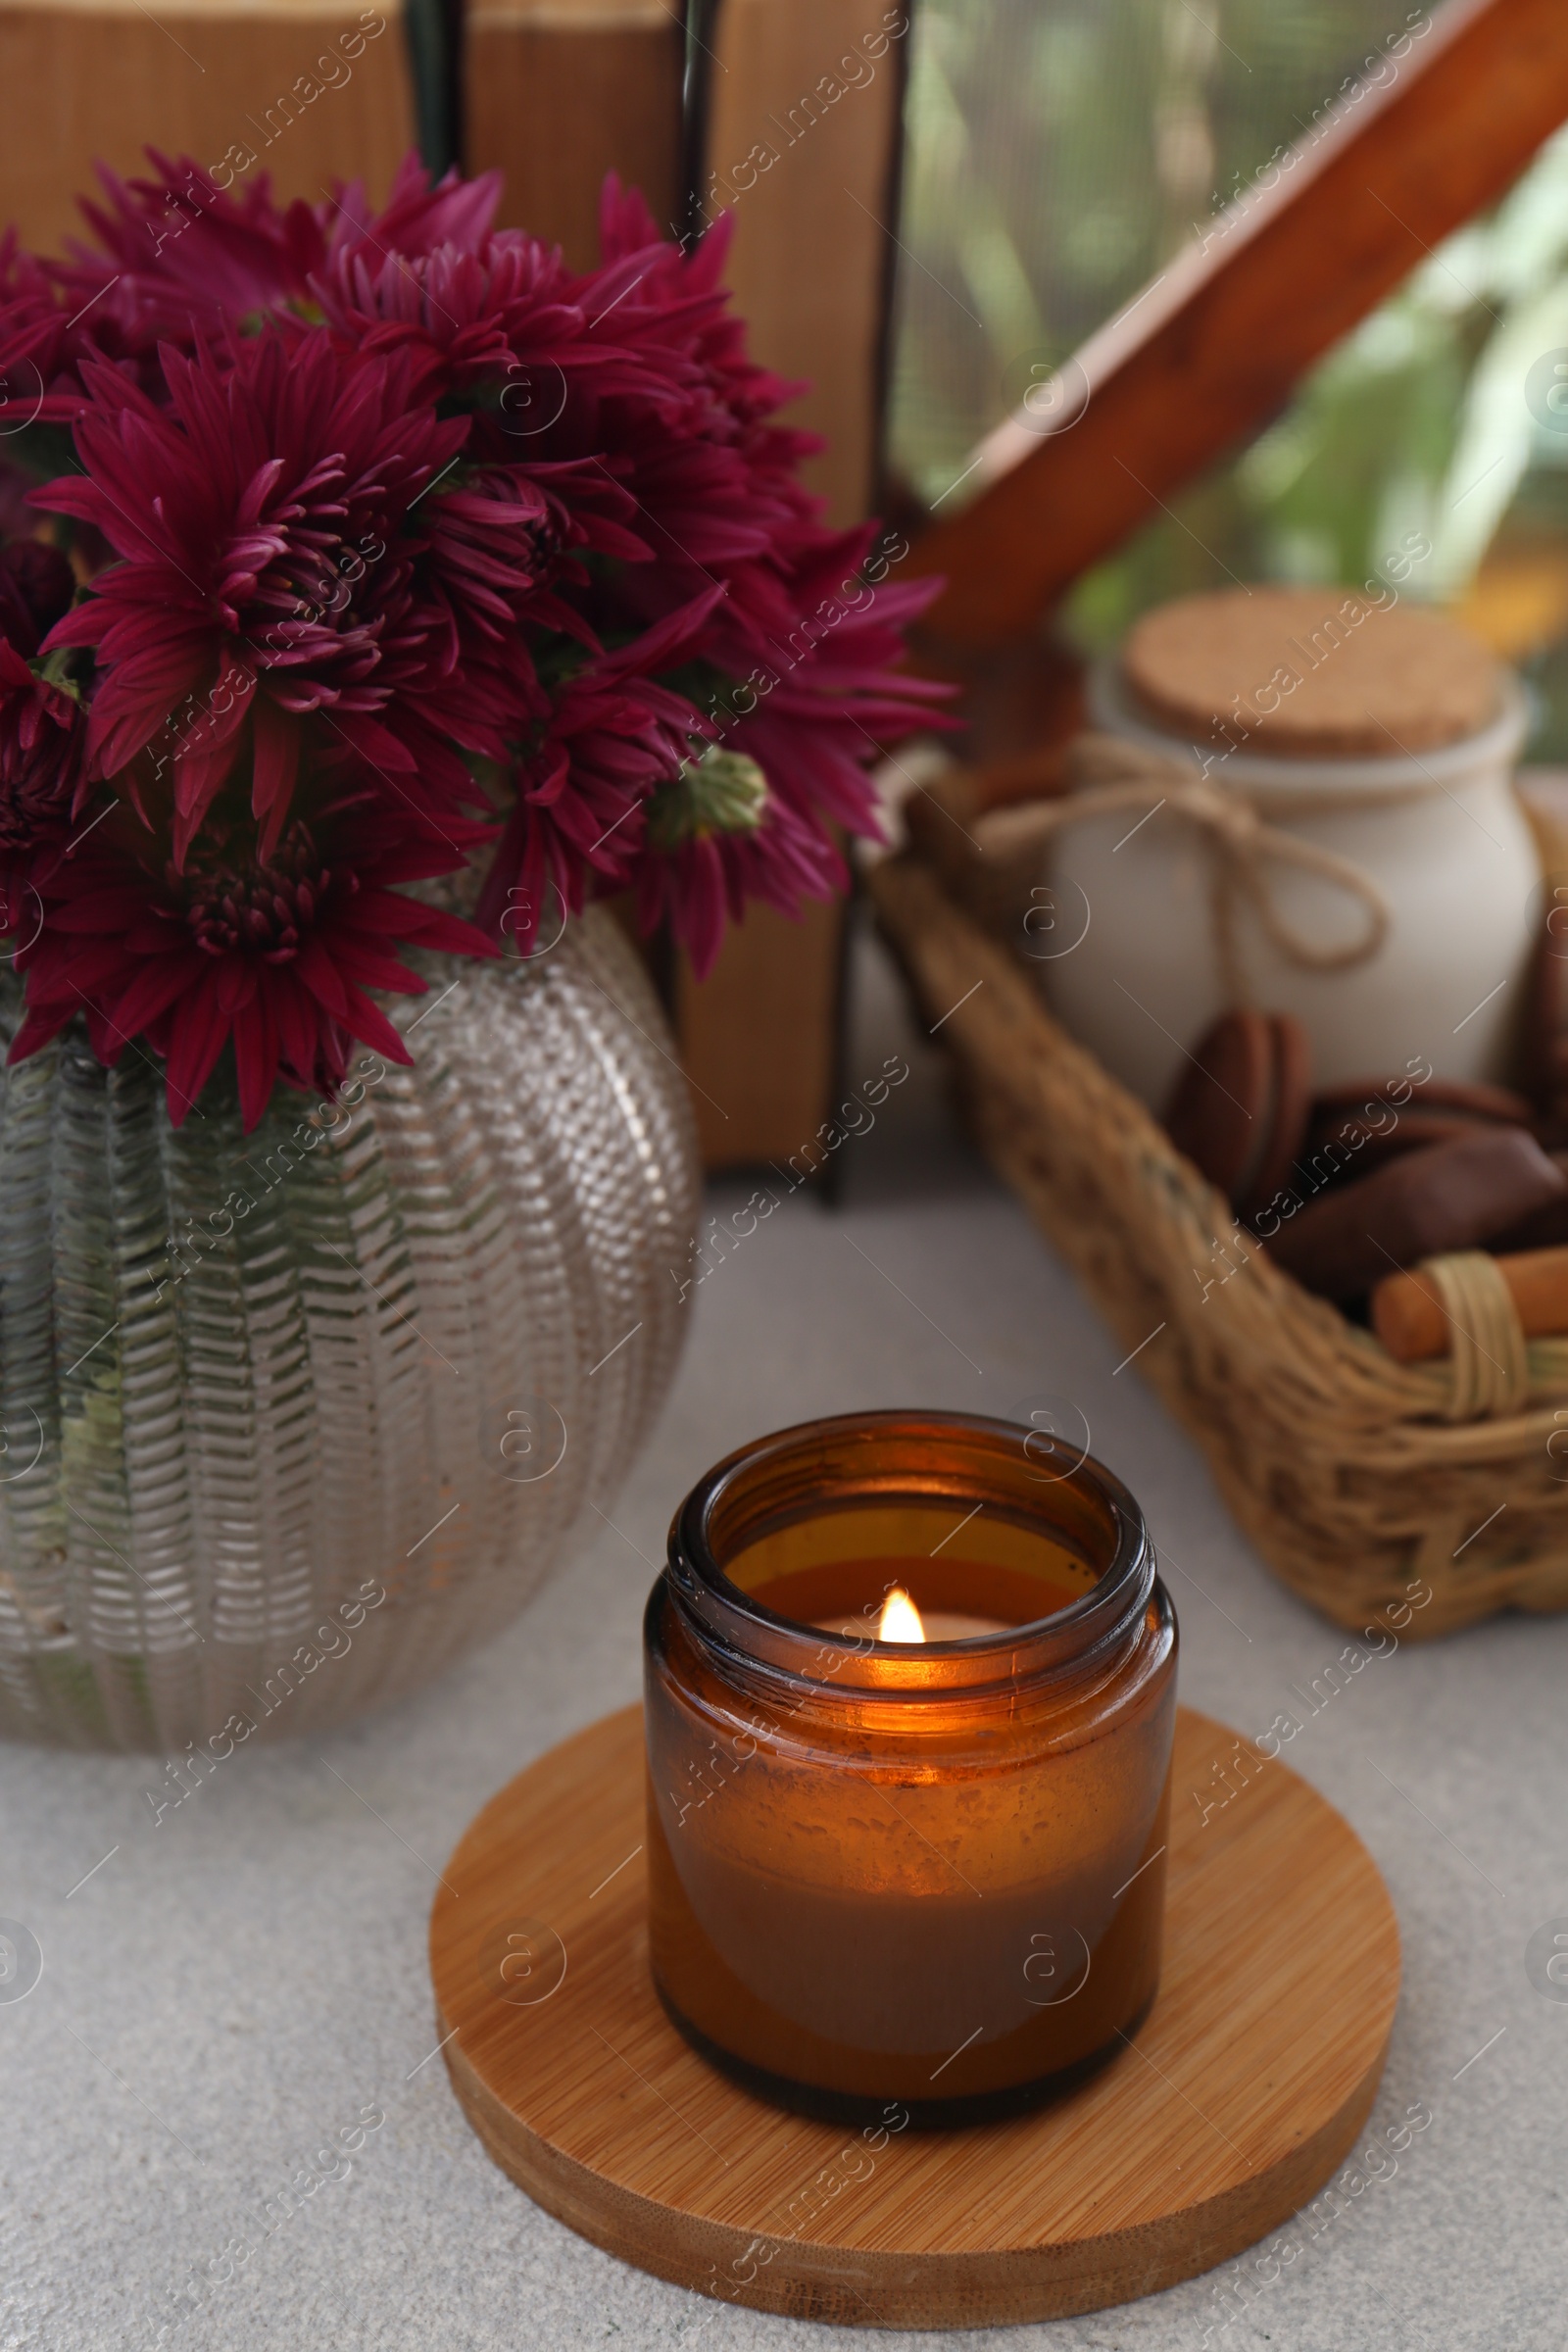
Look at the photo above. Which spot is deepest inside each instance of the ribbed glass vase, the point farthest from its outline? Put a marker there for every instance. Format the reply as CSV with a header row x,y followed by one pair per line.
x,y
291,1419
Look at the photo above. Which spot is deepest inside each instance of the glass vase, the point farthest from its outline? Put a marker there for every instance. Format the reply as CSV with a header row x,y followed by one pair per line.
x,y
291,1419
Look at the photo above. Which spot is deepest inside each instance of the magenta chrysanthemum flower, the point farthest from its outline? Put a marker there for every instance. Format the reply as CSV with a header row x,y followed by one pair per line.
x,y
42,788
181,261
548,515
581,793
31,323
823,697
36,589
798,650
297,542
181,258
502,318
272,952
42,729
266,572
796,653
384,519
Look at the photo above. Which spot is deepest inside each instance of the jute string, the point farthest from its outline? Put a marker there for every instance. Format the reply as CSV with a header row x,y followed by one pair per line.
x,y
1488,1361
1113,778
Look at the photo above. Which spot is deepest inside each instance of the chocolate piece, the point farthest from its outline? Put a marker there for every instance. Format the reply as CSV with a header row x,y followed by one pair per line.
x,y
1345,1147
1240,1108
1219,1112
1356,1129
1546,1040
1288,1117
1544,1229
1457,1097
1455,1196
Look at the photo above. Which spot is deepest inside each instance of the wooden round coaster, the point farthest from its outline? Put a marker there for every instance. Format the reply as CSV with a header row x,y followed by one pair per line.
x,y
1244,2090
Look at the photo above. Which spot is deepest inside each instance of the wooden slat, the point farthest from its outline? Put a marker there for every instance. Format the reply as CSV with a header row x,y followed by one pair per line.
x,y
1213,348
802,138
86,78
559,92
758,1036
809,258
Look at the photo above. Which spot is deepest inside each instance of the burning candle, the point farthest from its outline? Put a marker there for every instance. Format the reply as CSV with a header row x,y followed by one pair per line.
x,y
910,1695
898,1620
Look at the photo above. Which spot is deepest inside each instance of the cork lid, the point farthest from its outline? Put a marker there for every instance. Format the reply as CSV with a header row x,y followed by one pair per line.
x,y
1310,673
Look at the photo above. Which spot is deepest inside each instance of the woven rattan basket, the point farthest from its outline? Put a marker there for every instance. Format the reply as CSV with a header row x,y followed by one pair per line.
x,y
1344,1467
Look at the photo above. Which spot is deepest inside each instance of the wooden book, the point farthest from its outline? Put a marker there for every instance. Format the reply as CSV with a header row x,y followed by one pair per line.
x,y
759,1036
307,91
803,118
559,92
802,143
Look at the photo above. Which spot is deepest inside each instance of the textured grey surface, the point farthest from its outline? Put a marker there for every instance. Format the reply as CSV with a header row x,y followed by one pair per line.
x,y
237,1983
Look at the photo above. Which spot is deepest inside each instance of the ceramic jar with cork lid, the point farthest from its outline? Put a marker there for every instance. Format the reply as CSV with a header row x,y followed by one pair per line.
x,y
1299,799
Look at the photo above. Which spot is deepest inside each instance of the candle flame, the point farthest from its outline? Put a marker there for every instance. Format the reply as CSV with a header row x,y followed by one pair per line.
x,y
899,1620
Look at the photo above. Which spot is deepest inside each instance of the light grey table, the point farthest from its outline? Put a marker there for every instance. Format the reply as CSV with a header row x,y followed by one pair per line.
x,y
228,1987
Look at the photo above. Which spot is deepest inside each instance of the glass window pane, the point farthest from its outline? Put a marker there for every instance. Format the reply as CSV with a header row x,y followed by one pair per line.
x,y
1441,424
1058,151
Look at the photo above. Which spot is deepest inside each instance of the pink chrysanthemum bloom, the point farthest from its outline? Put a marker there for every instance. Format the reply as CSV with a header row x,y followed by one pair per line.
x,y
272,952
758,812
180,262
715,481
32,331
822,697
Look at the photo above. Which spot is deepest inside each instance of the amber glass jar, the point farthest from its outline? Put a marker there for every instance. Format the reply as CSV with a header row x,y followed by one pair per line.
x,y
923,1872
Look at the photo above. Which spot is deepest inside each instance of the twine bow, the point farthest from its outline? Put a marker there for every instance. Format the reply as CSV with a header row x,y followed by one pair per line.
x,y
1113,778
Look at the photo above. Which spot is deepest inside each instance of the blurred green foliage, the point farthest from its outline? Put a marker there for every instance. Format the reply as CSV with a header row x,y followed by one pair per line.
x,y
1059,151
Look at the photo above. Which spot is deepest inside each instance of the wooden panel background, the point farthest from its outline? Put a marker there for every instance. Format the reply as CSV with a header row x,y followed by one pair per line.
x,y
815,85
801,146
559,92
86,78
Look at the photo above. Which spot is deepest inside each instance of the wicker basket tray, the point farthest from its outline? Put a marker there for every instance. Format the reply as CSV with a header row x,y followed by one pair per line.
x,y
1344,1467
